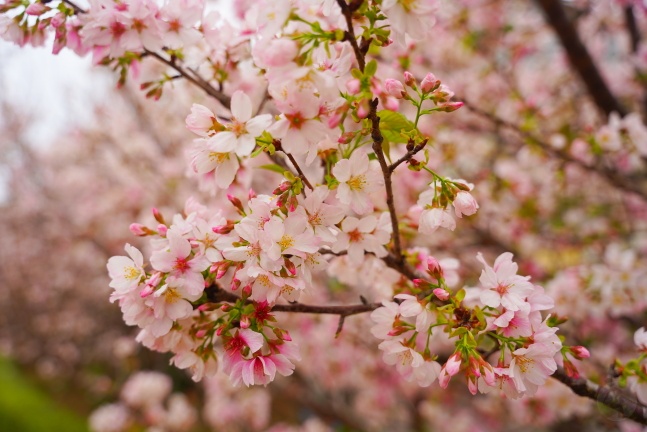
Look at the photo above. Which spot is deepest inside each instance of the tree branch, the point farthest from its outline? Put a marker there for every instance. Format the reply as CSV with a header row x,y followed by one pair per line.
x,y
610,175
579,57
609,396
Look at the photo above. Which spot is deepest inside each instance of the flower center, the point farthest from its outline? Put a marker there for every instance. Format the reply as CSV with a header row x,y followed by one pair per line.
x,y
238,128
296,120
355,236
131,273
286,242
171,295
524,363
218,157
357,183
181,265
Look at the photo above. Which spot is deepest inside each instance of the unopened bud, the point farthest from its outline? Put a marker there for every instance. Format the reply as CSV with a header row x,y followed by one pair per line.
x,y
289,266
441,294
200,333
579,352
353,86
451,106
394,88
148,290
247,291
236,202
433,268
244,322
409,79
429,83
251,194
158,216
36,9
139,230
162,230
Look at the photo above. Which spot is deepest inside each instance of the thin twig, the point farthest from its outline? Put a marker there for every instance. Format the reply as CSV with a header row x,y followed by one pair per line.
x,y
302,176
612,176
407,157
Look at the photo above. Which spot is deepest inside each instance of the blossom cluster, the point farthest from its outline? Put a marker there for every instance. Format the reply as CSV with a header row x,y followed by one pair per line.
x,y
503,314
208,289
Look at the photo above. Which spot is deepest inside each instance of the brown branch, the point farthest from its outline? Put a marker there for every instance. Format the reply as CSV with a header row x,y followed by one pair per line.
x,y
193,78
609,396
349,35
579,57
632,28
377,137
610,175
407,157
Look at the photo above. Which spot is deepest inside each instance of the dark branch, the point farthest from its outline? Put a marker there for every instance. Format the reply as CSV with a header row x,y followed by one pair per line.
x,y
612,176
609,396
579,57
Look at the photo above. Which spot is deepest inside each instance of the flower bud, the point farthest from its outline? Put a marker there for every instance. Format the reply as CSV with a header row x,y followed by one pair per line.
x,y
451,106
158,216
200,333
36,9
441,294
353,86
429,83
409,79
162,230
139,230
579,352
236,203
394,88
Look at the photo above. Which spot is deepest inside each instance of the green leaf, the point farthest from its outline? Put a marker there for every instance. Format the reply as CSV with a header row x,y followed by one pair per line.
x,y
273,167
370,68
392,124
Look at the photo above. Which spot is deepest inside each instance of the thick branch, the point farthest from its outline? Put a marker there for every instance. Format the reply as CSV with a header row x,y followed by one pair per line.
x,y
378,139
609,396
579,57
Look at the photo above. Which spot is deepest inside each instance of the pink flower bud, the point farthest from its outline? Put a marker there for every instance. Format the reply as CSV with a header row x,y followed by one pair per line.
x,y
353,86
138,229
204,307
251,194
58,20
453,364
36,9
158,216
429,83
471,386
162,230
148,290
247,291
409,79
200,333
289,266
244,322
433,267
451,106
441,294
363,110
394,88
334,120
235,284
579,352
236,202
